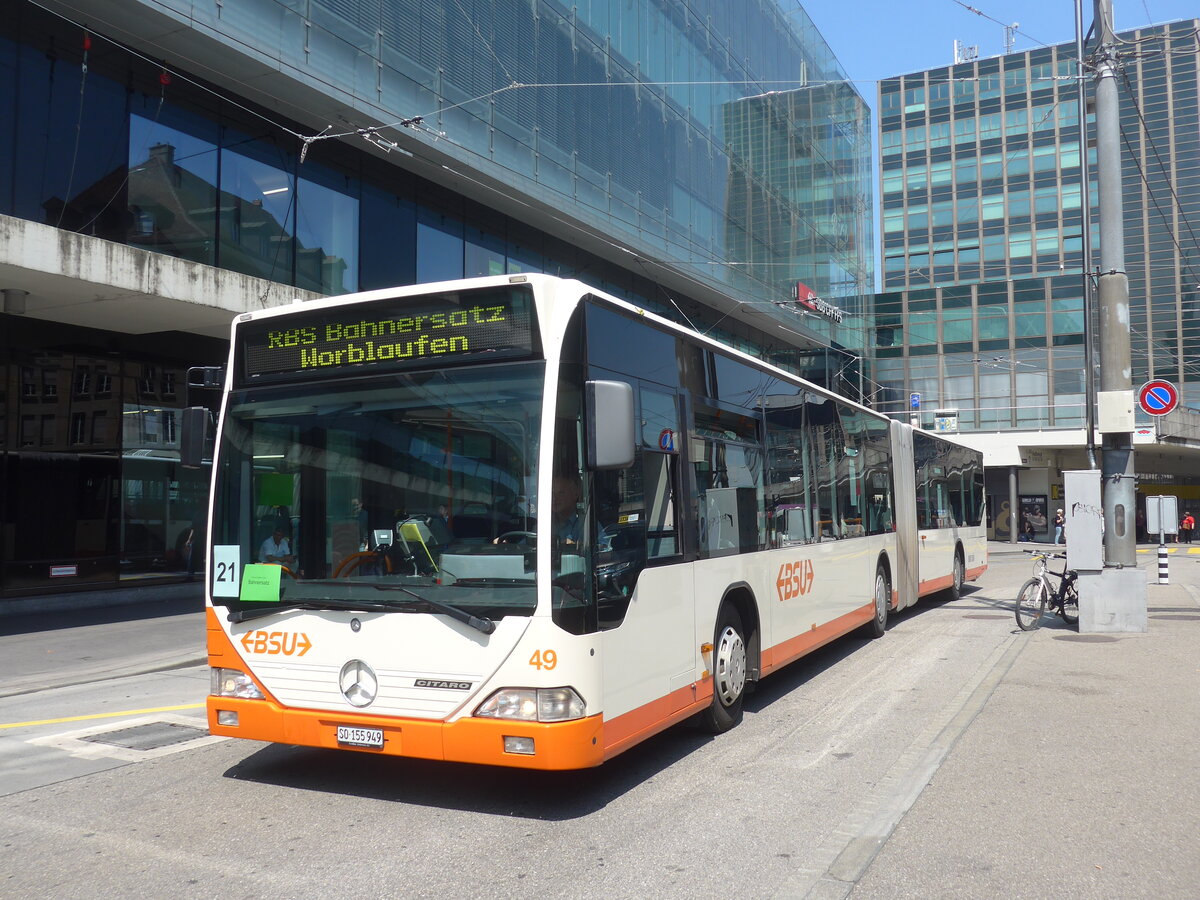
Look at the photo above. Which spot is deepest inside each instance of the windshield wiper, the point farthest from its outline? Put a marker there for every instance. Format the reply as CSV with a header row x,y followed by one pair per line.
x,y
484,624
480,623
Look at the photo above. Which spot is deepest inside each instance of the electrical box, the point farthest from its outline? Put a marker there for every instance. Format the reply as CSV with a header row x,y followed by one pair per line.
x,y
1114,411
1084,514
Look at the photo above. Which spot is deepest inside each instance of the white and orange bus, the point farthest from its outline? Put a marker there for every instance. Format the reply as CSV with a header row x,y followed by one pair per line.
x,y
516,521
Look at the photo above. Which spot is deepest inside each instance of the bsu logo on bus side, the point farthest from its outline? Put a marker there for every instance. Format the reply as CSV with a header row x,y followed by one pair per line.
x,y
795,579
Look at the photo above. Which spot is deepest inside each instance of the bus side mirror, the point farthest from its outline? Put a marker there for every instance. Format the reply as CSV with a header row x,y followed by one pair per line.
x,y
193,436
611,437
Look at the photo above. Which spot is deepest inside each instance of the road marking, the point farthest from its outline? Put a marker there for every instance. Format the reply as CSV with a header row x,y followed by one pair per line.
x,y
83,744
111,715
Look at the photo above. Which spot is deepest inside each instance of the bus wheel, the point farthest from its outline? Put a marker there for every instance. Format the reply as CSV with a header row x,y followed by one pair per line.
x,y
959,577
729,673
883,602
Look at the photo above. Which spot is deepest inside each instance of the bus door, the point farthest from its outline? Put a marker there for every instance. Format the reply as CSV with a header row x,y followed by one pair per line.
x,y
905,574
645,589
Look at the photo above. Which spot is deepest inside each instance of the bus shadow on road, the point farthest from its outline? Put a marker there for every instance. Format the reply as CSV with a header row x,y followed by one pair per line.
x,y
547,796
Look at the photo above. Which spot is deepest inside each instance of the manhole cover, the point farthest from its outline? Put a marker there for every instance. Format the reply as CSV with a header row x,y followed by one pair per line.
x,y
148,737
1087,638
1182,617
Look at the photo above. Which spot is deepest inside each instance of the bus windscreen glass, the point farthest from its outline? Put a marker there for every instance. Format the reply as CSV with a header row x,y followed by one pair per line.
x,y
392,334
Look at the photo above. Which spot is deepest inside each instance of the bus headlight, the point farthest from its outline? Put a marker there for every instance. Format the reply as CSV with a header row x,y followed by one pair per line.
x,y
533,705
233,683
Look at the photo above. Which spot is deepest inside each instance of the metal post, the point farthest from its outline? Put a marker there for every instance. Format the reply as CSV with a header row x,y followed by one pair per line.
x,y
1089,380
1014,509
1116,376
1113,598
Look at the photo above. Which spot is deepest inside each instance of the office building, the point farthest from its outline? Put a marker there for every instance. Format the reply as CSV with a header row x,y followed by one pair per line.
x,y
165,165
982,315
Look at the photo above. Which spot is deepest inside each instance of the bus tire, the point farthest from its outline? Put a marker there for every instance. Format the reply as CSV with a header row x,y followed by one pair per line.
x,y
959,576
883,603
729,673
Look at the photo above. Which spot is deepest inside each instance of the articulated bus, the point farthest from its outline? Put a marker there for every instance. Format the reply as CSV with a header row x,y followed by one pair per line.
x,y
516,521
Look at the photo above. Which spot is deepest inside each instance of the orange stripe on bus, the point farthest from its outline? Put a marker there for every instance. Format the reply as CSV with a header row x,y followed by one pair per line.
x,y
975,573
629,728
933,585
792,649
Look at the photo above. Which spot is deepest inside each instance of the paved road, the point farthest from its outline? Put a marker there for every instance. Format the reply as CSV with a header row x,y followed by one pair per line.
x,y
955,757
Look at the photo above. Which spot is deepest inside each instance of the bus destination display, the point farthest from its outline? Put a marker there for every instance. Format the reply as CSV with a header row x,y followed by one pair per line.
x,y
402,333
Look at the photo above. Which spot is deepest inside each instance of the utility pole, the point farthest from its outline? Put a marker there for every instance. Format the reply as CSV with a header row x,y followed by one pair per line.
x,y
1118,596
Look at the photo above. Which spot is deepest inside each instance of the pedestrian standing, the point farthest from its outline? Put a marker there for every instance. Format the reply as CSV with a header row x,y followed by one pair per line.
x,y
1060,523
1186,527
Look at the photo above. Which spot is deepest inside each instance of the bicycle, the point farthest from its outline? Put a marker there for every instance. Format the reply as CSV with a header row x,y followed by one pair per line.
x,y
1039,592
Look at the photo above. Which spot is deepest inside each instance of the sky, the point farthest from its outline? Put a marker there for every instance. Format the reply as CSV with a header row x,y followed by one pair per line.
x,y
876,39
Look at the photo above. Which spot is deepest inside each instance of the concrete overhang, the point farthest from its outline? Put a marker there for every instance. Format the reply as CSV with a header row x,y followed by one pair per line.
x,y
81,280
1066,449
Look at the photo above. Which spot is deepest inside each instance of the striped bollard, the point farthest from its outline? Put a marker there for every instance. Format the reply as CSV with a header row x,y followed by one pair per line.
x,y
1163,575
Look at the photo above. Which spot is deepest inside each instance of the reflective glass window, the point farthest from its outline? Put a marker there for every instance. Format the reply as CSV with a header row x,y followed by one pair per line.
x,y
387,245
439,246
327,231
172,188
73,144
257,209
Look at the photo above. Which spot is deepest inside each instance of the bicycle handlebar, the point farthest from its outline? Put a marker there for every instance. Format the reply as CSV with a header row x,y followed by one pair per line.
x,y
1045,553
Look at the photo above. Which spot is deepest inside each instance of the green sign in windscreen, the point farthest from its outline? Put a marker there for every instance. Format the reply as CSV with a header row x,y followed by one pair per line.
x,y
394,333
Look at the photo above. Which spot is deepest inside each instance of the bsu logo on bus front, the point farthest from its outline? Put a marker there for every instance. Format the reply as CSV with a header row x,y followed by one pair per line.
x,y
795,579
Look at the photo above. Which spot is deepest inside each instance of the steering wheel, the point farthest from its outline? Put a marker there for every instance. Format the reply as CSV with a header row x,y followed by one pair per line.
x,y
354,560
516,537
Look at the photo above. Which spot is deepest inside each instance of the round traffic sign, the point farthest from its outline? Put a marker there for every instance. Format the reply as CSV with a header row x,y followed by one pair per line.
x,y
1158,397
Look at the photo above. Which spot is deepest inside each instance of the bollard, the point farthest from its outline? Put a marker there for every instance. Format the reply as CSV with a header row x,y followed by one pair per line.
x,y
1163,575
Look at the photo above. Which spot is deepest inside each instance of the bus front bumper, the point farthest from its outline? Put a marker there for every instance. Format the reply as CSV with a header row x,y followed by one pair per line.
x,y
577,744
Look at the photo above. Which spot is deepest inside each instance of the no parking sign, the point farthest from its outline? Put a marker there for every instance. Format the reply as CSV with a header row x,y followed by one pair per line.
x,y
1158,397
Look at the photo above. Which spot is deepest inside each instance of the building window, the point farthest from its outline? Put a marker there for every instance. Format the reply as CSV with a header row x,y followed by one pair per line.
x,y
1016,122
146,384
78,427
83,381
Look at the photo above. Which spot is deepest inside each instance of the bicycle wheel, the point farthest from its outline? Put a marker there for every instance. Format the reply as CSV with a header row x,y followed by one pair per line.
x,y
1031,603
1070,608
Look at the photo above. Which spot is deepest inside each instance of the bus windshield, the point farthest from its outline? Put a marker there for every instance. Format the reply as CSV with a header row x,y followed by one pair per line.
x,y
421,481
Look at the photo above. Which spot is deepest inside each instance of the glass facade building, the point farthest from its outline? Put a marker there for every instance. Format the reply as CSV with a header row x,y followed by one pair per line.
x,y
696,159
982,172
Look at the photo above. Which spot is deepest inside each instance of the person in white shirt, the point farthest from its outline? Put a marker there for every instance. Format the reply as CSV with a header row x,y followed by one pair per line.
x,y
277,549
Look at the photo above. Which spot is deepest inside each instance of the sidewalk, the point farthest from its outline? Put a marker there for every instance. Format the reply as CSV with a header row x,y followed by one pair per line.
x,y
72,640
1078,777
997,548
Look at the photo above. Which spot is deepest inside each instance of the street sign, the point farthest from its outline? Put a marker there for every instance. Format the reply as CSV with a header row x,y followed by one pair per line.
x,y
914,400
1158,397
